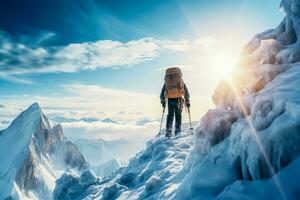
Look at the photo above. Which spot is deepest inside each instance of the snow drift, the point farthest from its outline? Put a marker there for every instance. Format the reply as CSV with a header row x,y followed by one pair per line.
x,y
33,155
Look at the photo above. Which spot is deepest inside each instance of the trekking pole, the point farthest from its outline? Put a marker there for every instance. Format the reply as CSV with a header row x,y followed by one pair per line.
x,y
161,121
189,112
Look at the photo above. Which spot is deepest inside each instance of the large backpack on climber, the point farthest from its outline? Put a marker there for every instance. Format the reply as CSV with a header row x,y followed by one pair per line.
x,y
174,83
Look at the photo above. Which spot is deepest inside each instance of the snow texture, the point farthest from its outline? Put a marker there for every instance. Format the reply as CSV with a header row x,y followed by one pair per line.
x,y
71,186
148,173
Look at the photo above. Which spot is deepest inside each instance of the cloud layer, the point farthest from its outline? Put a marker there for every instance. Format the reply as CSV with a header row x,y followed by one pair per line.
x,y
84,108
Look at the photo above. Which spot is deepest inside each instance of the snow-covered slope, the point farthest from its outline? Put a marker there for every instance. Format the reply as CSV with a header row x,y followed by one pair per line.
x,y
248,147
152,170
33,155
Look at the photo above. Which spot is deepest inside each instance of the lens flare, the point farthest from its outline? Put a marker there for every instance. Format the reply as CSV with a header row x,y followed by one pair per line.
x,y
257,139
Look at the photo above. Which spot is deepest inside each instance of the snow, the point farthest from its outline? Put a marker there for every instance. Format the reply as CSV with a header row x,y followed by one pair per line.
x,y
245,148
112,192
267,189
152,186
71,186
275,119
155,166
18,137
248,147
63,185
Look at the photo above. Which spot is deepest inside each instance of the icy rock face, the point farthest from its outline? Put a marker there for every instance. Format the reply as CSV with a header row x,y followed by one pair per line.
x,y
290,31
34,155
259,110
215,126
264,93
268,139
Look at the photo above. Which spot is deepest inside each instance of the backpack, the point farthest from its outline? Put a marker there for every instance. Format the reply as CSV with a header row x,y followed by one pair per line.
x,y
174,83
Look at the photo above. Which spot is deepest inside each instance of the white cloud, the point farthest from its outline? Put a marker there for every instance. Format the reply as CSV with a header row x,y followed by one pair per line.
x,y
109,131
18,59
15,79
91,101
110,99
86,101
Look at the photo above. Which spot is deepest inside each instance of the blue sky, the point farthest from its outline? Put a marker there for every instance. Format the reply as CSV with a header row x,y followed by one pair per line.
x,y
59,23
61,49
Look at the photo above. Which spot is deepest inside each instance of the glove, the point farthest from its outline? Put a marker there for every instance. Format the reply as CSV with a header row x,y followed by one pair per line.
x,y
163,104
188,105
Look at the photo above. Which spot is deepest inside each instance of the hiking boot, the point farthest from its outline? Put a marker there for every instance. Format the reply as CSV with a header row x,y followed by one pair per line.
x,y
177,131
168,133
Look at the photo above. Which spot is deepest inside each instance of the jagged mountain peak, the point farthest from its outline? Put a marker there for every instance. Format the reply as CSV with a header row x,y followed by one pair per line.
x,y
33,109
58,132
32,115
34,106
34,155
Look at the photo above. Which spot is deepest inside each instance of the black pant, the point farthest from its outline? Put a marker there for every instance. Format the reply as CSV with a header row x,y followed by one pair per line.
x,y
174,108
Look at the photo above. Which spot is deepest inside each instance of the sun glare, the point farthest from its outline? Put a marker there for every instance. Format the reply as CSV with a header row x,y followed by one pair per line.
x,y
223,64
212,63
219,57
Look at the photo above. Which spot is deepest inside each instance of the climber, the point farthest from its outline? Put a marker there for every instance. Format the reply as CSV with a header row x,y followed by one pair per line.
x,y
175,92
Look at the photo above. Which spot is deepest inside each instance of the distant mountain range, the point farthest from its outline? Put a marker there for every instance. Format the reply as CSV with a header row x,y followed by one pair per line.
x,y
61,119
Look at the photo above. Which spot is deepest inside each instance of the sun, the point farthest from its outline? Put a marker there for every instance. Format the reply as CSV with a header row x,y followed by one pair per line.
x,y
223,64
210,64
219,59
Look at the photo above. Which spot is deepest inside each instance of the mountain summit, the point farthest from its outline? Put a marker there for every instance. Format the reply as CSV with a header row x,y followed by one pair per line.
x,y
33,155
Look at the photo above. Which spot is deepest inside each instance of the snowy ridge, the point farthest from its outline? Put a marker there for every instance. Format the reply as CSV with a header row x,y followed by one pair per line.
x,y
34,155
149,172
250,142
20,128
